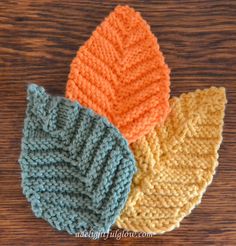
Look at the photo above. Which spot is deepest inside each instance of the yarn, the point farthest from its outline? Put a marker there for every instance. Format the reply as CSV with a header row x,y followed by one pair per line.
x,y
76,166
121,74
176,163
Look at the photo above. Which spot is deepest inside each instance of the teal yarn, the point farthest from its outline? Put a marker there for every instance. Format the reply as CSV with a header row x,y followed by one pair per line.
x,y
76,167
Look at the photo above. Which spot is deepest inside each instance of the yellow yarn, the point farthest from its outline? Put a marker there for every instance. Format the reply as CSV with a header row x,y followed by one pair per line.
x,y
176,163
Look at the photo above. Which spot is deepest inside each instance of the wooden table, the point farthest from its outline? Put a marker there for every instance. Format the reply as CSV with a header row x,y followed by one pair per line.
x,y
38,40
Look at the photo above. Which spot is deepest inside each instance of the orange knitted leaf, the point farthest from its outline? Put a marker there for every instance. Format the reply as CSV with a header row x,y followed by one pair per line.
x,y
121,74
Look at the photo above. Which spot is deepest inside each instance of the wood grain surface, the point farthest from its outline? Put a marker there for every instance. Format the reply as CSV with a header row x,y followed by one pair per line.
x,y
38,40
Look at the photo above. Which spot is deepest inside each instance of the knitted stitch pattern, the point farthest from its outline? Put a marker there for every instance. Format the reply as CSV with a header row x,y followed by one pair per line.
x,y
175,162
121,74
76,167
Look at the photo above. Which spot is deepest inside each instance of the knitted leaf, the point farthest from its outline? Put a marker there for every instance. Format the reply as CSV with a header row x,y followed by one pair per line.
x,y
175,163
76,167
121,74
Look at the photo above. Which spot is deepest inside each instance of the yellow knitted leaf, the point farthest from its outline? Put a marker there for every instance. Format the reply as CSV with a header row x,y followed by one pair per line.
x,y
176,163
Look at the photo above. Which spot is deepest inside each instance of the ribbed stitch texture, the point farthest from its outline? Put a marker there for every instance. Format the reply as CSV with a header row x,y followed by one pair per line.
x,y
121,74
176,163
76,166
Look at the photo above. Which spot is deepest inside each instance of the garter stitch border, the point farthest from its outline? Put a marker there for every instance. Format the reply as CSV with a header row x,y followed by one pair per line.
x,y
121,74
76,166
175,163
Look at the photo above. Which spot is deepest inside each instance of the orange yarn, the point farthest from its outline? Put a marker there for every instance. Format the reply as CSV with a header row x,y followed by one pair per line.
x,y
121,74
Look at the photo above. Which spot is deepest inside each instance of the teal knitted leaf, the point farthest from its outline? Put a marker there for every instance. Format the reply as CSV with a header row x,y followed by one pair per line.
x,y
76,167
